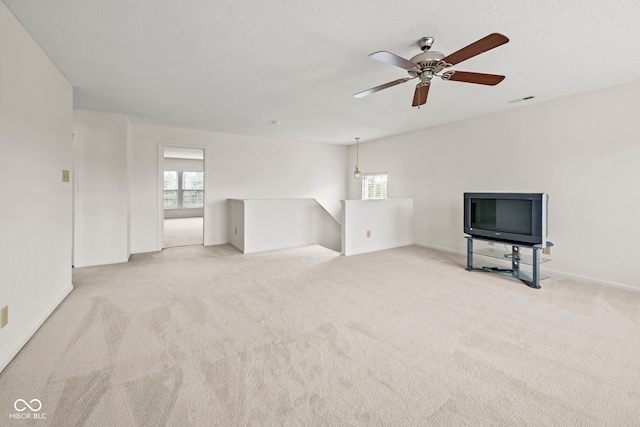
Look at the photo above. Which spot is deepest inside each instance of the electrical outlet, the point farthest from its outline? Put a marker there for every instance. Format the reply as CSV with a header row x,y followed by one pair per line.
x,y
4,316
368,233
547,251
65,175
236,230
490,243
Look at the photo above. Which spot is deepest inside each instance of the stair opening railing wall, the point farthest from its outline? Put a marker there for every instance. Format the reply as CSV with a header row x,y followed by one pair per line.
x,y
258,225
367,225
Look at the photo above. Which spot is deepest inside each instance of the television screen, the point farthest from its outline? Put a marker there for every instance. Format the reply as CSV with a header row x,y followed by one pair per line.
x,y
511,216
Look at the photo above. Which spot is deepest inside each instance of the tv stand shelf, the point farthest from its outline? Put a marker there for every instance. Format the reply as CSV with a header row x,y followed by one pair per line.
x,y
516,258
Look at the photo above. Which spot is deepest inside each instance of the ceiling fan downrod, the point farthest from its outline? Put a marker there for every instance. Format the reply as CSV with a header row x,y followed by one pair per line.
x,y
425,43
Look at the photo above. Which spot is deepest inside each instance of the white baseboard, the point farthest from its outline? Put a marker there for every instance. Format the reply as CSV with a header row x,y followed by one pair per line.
x,y
591,280
35,328
377,249
586,279
240,250
453,251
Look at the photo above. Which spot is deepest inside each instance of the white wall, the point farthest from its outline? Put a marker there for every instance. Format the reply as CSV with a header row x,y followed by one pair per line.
x,y
101,224
236,224
583,151
328,229
240,167
390,223
277,224
35,218
270,224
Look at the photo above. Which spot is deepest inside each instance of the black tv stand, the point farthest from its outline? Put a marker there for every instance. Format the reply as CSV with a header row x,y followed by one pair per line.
x,y
516,258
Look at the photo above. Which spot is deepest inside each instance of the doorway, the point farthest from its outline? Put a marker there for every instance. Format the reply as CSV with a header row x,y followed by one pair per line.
x,y
183,195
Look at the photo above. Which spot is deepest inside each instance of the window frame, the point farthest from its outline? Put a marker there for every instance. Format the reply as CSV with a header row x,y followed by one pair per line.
x,y
365,193
198,191
180,190
175,190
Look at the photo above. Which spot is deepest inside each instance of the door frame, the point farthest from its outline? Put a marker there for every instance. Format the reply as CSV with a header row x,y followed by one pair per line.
x,y
160,193
76,137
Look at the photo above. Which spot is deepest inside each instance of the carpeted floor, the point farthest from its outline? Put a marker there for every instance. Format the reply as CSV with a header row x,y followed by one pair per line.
x,y
207,336
183,232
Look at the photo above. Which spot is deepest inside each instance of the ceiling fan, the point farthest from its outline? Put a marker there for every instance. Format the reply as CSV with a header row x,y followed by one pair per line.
x,y
428,64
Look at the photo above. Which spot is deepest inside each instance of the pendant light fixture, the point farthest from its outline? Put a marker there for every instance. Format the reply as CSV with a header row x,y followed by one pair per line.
x,y
356,173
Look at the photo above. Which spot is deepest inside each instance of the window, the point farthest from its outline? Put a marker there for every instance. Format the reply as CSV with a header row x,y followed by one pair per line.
x,y
170,189
192,189
374,186
183,189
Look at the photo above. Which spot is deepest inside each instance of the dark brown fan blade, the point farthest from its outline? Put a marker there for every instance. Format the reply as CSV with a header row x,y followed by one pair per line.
x,y
393,59
484,44
420,95
478,78
379,88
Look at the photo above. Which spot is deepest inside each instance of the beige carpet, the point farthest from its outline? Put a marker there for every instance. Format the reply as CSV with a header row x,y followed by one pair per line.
x,y
405,337
183,232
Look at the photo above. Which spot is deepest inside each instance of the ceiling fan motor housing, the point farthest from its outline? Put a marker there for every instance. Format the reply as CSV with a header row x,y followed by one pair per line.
x,y
430,63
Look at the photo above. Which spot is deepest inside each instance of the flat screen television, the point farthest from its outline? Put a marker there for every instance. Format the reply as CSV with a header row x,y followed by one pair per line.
x,y
513,217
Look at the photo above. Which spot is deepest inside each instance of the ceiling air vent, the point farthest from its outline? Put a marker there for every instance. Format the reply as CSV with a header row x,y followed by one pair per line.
x,y
526,98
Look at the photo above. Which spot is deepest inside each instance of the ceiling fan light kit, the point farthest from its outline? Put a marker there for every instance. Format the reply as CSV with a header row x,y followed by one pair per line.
x,y
429,64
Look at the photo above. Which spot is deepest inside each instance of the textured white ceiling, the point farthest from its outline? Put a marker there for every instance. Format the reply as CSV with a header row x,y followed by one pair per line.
x,y
237,65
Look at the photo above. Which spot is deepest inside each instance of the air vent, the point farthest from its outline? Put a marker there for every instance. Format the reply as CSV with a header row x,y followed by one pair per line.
x,y
526,98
